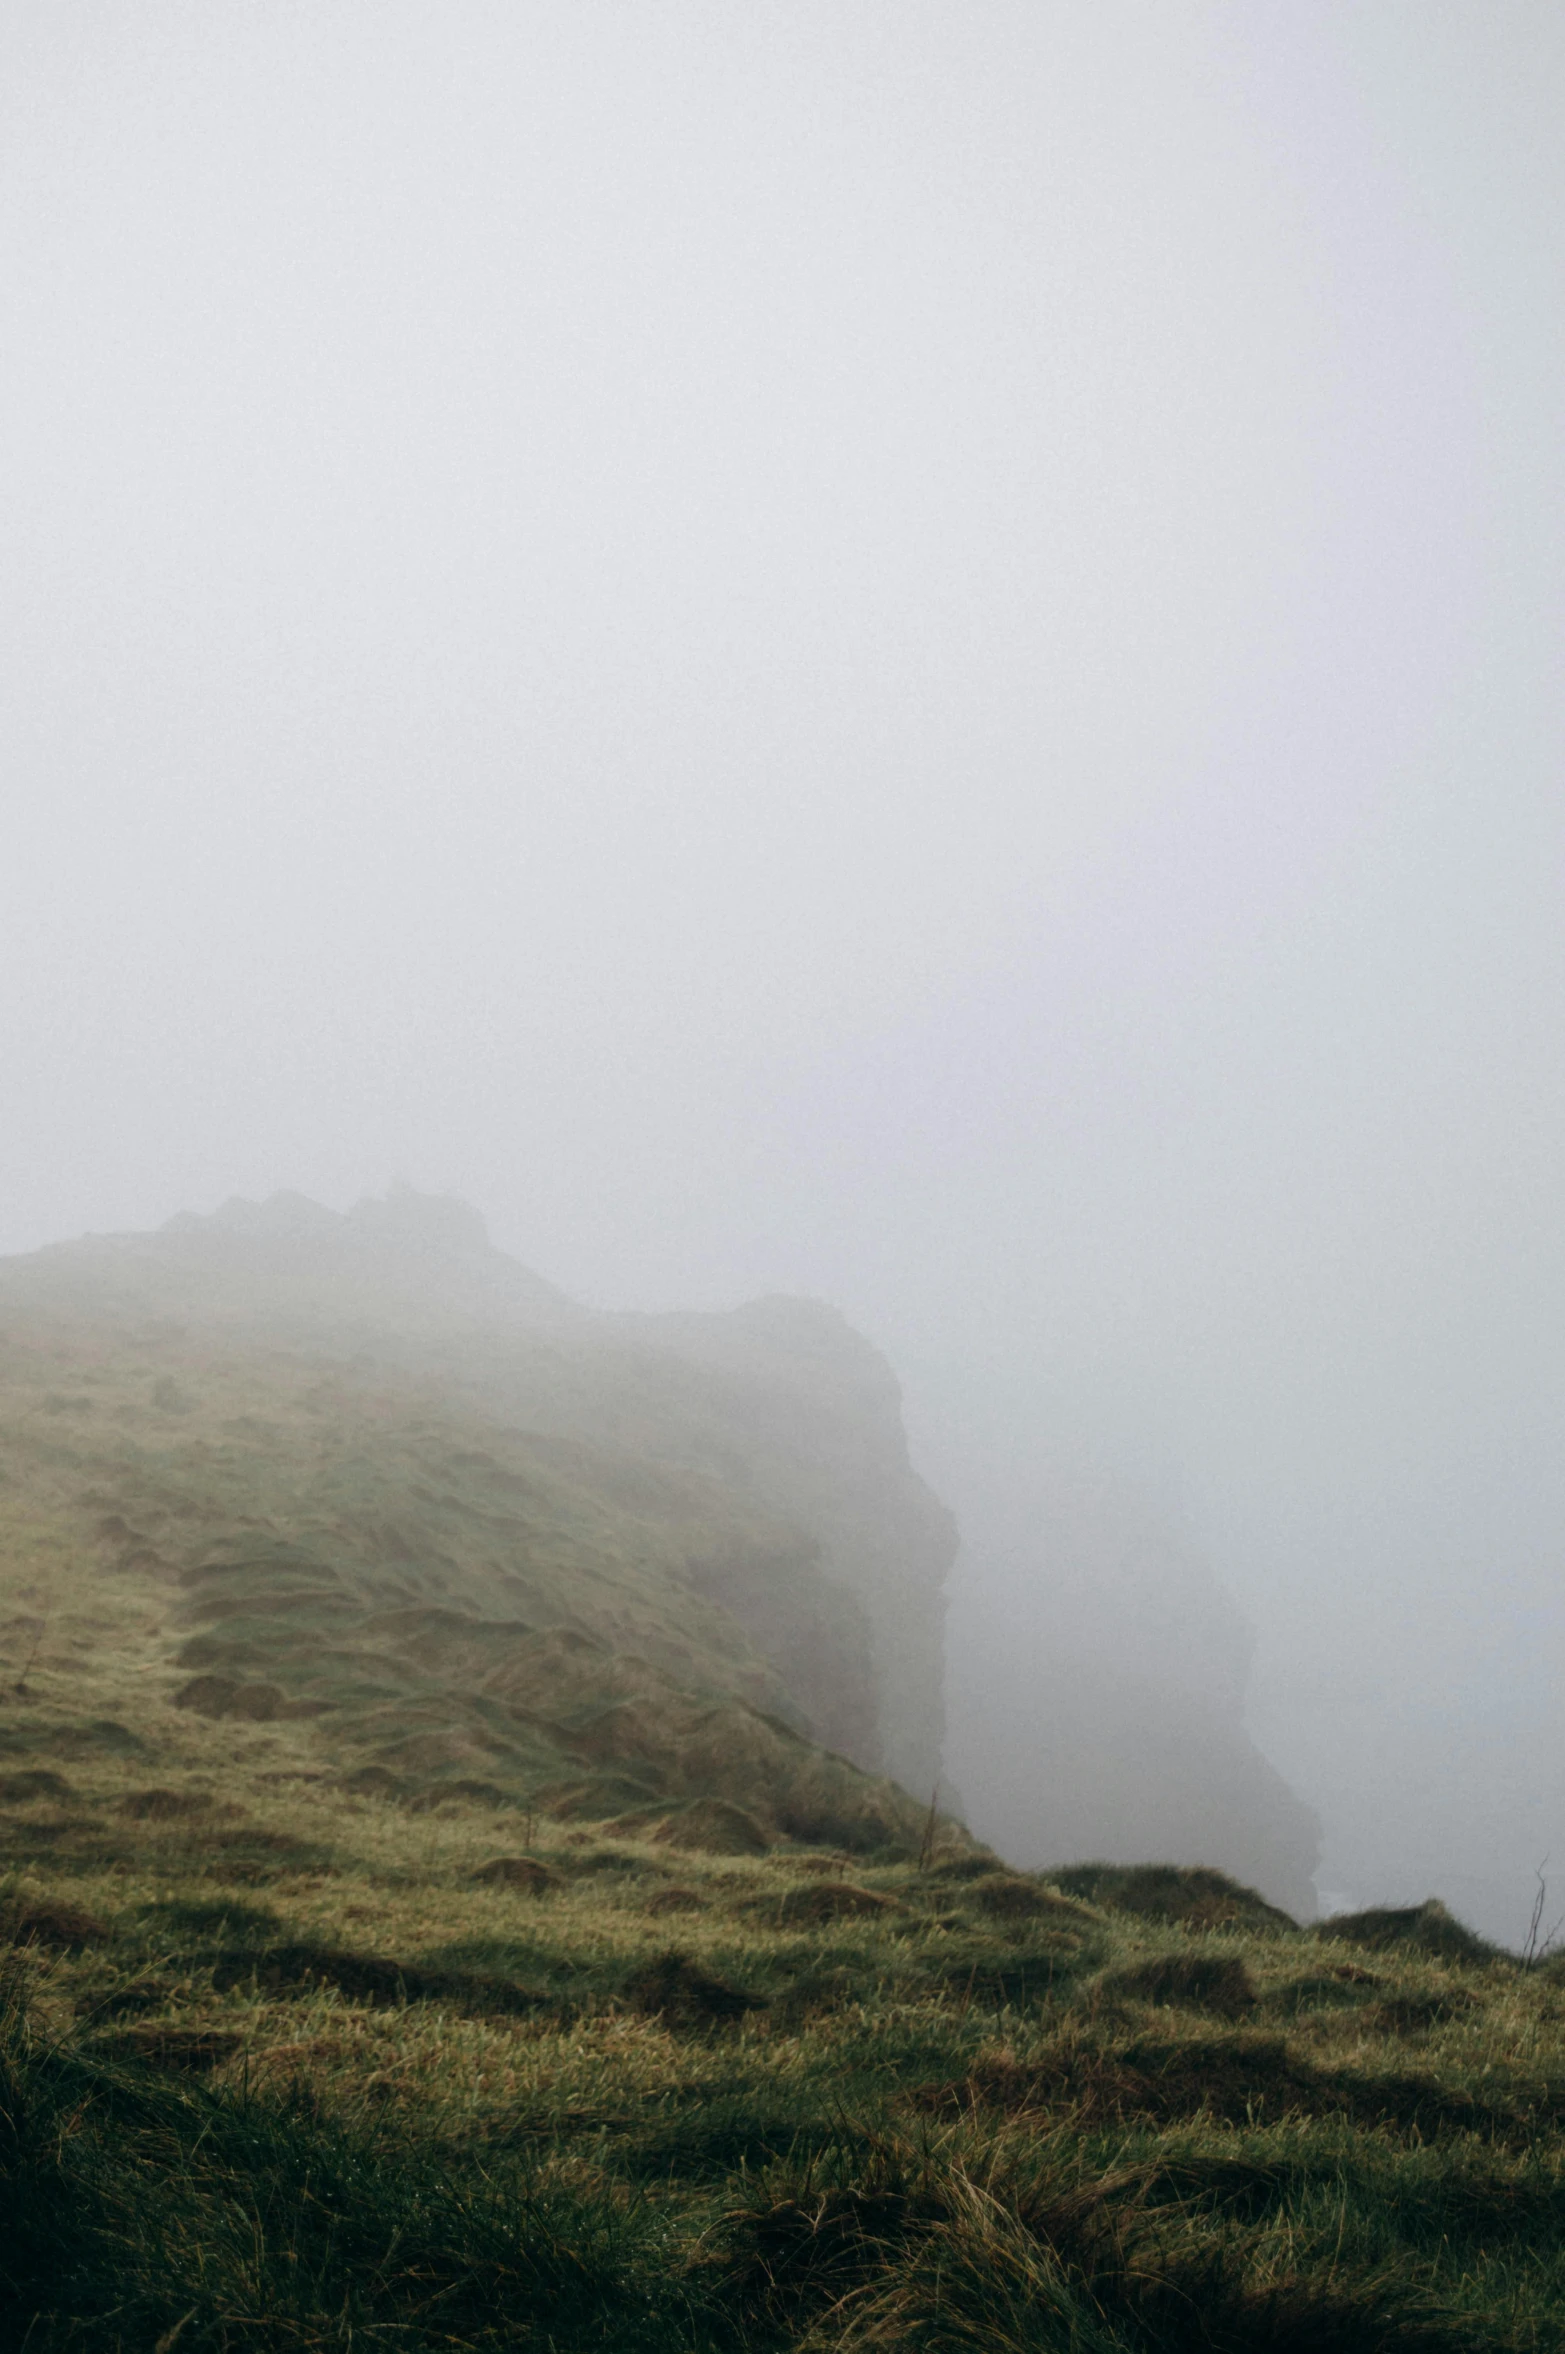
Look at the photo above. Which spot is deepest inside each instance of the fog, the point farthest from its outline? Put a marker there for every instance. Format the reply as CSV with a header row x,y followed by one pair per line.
x,y
908,652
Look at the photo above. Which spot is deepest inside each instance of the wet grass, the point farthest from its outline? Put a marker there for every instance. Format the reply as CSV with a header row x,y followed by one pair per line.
x,y
619,2093
393,2026
405,2105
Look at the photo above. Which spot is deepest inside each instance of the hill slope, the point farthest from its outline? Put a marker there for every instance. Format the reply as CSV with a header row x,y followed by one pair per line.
x,y
285,2065
428,1920
339,1465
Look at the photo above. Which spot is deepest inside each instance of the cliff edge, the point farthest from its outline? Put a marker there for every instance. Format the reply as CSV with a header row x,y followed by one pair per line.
x,y
370,1472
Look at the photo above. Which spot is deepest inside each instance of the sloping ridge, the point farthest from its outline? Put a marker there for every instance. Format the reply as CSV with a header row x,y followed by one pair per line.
x,y
346,1465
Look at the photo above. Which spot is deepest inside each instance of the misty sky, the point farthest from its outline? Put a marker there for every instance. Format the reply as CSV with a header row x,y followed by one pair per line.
x,y
903,651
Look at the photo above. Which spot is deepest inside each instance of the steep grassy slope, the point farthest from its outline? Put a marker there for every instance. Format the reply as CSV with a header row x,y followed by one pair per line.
x,y
831,1554
440,1604
426,1921
770,1441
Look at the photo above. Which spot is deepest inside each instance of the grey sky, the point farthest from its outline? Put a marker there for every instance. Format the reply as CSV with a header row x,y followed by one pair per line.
x,y
902,651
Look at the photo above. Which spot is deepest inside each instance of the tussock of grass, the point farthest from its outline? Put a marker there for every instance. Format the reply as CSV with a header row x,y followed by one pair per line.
x,y
523,1872
676,1989
59,1925
1200,1981
1425,1928
831,1900
1015,2245
1195,1897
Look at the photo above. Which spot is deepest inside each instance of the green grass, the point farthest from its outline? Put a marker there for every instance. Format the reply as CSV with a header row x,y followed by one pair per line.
x,y
463,1605
720,2060
386,2103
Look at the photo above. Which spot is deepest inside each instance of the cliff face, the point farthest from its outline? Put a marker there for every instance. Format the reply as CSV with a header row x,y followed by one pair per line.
x,y
813,1414
1106,1719
378,1429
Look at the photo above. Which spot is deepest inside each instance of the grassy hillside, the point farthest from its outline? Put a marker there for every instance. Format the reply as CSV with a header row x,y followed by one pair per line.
x,y
437,1604
426,1921
291,2061
780,1409
758,1454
